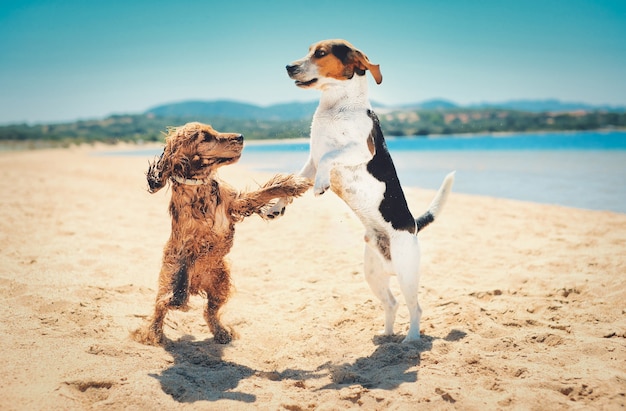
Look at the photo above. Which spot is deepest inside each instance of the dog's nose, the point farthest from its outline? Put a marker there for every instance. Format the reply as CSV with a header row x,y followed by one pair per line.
x,y
291,69
239,138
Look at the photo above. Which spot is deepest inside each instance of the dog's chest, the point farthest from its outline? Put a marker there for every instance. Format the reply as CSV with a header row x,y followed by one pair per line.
x,y
201,210
342,132
361,171
222,223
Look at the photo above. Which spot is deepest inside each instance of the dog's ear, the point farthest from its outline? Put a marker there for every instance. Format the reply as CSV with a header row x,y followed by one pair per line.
x,y
364,64
154,175
171,162
356,62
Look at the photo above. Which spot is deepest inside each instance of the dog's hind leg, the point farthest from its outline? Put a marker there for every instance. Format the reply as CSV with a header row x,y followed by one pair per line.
x,y
211,315
378,281
217,291
173,293
152,333
405,255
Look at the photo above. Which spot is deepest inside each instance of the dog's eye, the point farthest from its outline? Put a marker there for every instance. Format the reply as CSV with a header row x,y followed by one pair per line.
x,y
208,137
319,53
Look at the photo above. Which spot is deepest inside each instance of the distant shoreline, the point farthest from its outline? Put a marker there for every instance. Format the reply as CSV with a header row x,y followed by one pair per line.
x,y
39,144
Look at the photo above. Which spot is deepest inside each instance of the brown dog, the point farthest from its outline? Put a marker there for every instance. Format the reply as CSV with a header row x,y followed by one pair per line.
x,y
204,211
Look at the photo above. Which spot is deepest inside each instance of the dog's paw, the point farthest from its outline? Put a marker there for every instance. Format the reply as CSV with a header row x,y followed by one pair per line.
x,y
321,186
411,337
275,211
148,335
222,336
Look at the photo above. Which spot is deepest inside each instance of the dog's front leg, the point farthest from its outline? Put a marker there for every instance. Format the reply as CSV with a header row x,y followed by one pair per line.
x,y
280,186
349,155
322,177
308,171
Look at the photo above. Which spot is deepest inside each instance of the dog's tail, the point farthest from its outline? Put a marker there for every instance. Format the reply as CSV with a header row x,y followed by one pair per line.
x,y
437,204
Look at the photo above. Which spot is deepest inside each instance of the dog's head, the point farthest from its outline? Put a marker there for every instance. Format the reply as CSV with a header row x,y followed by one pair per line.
x,y
193,151
330,61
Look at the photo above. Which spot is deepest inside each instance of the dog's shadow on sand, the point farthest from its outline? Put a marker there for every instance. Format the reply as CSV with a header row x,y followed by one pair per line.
x,y
388,366
199,372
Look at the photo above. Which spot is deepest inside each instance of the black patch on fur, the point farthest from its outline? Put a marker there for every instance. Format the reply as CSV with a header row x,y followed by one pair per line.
x,y
215,192
341,51
393,207
155,181
196,163
344,53
203,206
423,220
180,287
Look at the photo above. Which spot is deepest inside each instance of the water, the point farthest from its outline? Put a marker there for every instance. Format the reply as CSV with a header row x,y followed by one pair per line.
x,y
583,170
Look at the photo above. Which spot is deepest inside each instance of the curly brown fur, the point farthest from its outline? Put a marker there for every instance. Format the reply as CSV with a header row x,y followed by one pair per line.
x,y
204,211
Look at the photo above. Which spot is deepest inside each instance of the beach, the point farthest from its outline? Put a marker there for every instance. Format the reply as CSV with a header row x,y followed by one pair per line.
x,y
524,304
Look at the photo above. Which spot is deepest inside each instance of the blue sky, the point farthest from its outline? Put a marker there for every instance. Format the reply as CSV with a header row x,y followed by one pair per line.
x,y
68,60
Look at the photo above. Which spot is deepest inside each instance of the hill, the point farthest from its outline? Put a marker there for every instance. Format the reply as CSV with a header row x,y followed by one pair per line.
x,y
299,110
549,105
235,110
292,120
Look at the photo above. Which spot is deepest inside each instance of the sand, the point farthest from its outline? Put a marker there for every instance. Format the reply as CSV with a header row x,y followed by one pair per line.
x,y
524,304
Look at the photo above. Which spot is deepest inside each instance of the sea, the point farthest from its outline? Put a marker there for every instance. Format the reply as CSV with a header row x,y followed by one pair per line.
x,y
575,169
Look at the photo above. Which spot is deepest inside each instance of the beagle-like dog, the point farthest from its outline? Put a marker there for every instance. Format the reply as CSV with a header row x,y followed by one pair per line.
x,y
348,154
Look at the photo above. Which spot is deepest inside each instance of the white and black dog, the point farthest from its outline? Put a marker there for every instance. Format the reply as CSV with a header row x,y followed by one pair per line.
x,y
348,154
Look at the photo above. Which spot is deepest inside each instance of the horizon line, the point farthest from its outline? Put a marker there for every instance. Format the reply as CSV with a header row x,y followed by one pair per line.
x,y
486,104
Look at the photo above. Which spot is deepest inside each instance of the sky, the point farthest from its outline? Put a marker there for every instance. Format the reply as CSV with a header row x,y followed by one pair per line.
x,y
70,60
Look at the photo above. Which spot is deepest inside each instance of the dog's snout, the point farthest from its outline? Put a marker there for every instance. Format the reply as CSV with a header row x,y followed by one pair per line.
x,y
291,69
239,138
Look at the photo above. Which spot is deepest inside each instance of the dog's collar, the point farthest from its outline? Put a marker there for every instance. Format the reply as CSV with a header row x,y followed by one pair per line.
x,y
190,181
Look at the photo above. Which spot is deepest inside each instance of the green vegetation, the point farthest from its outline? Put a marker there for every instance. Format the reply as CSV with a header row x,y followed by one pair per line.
x,y
135,128
463,121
